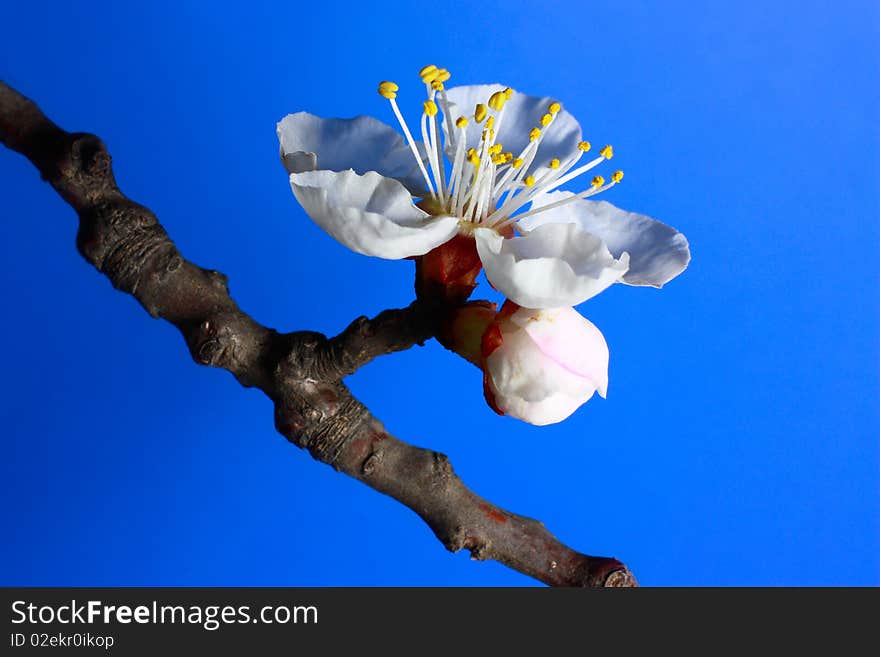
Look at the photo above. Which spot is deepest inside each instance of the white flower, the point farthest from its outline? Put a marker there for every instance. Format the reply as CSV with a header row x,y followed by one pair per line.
x,y
508,155
541,365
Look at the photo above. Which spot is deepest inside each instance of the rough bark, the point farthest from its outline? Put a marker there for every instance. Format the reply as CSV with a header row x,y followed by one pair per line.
x,y
301,372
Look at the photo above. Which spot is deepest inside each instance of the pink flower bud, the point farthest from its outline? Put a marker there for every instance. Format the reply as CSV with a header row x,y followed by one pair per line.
x,y
541,365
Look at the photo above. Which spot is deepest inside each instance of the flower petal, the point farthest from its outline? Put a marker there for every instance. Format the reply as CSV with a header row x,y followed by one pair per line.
x,y
532,387
657,252
551,266
521,113
570,340
370,214
363,144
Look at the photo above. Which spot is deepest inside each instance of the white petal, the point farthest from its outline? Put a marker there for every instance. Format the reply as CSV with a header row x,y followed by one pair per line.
x,y
550,410
551,266
657,252
363,144
532,387
521,114
370,214
570,340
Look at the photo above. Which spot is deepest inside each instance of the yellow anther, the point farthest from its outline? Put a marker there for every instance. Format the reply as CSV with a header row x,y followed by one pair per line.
x,y
473,158
479,112
584,146
436,85
598,181
490,123
607,152
461,122
388,90
517,162
494,149
499,159
554,163
443,75
430,108
617,176
497,100
529,181
508,156
429,73
555,107
546,120
508,92
534,134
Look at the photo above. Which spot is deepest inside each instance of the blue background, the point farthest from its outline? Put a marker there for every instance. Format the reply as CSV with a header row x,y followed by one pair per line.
x,y
739,441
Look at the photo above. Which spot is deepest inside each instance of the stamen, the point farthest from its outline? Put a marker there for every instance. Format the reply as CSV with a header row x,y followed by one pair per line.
x,y
574,173
389,90
429,73
455,178
592,191
465,185
497,100
515,201
441,165
444,104
513,176
482,176
528,154
429,136
484,187
481,197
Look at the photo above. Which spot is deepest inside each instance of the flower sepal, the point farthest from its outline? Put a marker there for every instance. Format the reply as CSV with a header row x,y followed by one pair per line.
x,y
448,273
464,329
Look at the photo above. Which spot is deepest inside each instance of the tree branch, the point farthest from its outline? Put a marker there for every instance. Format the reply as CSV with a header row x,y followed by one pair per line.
x,y
301,372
